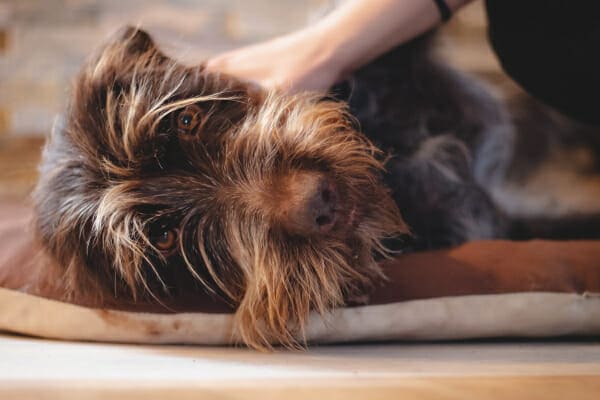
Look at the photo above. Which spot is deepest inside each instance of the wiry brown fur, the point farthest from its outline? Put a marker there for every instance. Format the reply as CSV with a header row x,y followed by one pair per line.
x,y
242,187
115,167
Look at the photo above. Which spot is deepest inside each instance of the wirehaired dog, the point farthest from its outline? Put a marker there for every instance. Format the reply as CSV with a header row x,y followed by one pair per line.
x,y
163,178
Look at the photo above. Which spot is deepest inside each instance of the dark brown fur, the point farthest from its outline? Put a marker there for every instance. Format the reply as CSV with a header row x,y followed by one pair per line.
x,y
236,191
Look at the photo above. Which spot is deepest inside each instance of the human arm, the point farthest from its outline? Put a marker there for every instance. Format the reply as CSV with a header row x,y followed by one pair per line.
x,y
316,57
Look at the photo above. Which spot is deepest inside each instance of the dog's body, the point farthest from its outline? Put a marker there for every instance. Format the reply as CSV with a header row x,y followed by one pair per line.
x,y
450,141
164,178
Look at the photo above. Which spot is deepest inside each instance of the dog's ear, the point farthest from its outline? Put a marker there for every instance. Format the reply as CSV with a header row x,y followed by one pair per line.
x,y
134,40
121,54
109,86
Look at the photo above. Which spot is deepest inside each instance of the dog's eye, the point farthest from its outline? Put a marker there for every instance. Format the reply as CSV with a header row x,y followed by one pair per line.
x,y
164,239
188,120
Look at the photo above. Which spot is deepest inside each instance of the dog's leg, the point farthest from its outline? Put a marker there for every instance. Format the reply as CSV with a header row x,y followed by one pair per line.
x,y
439,196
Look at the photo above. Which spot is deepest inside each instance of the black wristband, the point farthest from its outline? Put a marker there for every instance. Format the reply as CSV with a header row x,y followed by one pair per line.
x,y
445,12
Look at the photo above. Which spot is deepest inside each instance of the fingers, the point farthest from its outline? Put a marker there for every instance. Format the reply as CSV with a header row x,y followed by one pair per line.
x,y
291,63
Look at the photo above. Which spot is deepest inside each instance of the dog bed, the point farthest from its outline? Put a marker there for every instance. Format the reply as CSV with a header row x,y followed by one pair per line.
x,y
478,290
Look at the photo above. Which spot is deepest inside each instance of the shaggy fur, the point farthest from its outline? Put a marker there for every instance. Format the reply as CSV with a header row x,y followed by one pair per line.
x,y
163,178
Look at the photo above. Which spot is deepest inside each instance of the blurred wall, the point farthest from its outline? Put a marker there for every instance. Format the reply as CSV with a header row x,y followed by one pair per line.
x,y
43,42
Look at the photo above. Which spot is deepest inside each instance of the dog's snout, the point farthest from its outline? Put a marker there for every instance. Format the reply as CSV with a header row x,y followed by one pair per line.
x,y
312,200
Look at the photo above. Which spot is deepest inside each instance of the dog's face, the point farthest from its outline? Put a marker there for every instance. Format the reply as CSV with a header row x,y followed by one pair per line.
x,y
161,170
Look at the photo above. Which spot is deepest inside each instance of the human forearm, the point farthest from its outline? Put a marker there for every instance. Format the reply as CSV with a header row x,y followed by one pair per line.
x,y
359,30
316,57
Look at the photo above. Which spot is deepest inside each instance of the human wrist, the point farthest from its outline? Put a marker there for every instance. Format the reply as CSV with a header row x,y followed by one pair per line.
x,y
333,55
358,32
322,54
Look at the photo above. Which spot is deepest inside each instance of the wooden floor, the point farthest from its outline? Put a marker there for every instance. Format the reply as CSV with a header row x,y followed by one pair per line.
x,y
33,368
19,157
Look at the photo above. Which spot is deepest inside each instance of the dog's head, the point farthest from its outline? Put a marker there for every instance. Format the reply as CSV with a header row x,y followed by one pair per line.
x,y
161,170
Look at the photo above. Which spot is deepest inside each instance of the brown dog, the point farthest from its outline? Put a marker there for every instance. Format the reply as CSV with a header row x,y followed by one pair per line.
x,y
163,174
164,179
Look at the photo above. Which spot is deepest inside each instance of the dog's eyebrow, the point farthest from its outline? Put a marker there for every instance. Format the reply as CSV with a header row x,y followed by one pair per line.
x,y
160,112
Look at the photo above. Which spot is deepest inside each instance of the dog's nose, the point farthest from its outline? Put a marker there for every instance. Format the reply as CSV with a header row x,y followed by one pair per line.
x,y
321,207
312,201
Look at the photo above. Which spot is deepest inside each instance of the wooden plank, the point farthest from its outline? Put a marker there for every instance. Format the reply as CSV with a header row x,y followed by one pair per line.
x,y
31,368
455,388
19,157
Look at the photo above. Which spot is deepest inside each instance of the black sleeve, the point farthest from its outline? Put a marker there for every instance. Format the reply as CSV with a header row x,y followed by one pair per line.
x,y
552,49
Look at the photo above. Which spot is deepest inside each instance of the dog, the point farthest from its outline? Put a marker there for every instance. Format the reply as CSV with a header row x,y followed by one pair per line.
x,y
163,178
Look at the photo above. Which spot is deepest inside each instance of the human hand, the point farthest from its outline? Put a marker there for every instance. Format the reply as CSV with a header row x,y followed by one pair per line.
x,y
297,62
316,57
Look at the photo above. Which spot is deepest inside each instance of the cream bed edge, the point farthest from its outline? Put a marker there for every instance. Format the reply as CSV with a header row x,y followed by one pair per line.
x,y
527,314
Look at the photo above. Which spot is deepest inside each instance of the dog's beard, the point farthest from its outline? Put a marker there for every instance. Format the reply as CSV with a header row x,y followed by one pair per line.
x,y
287,279
283,286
